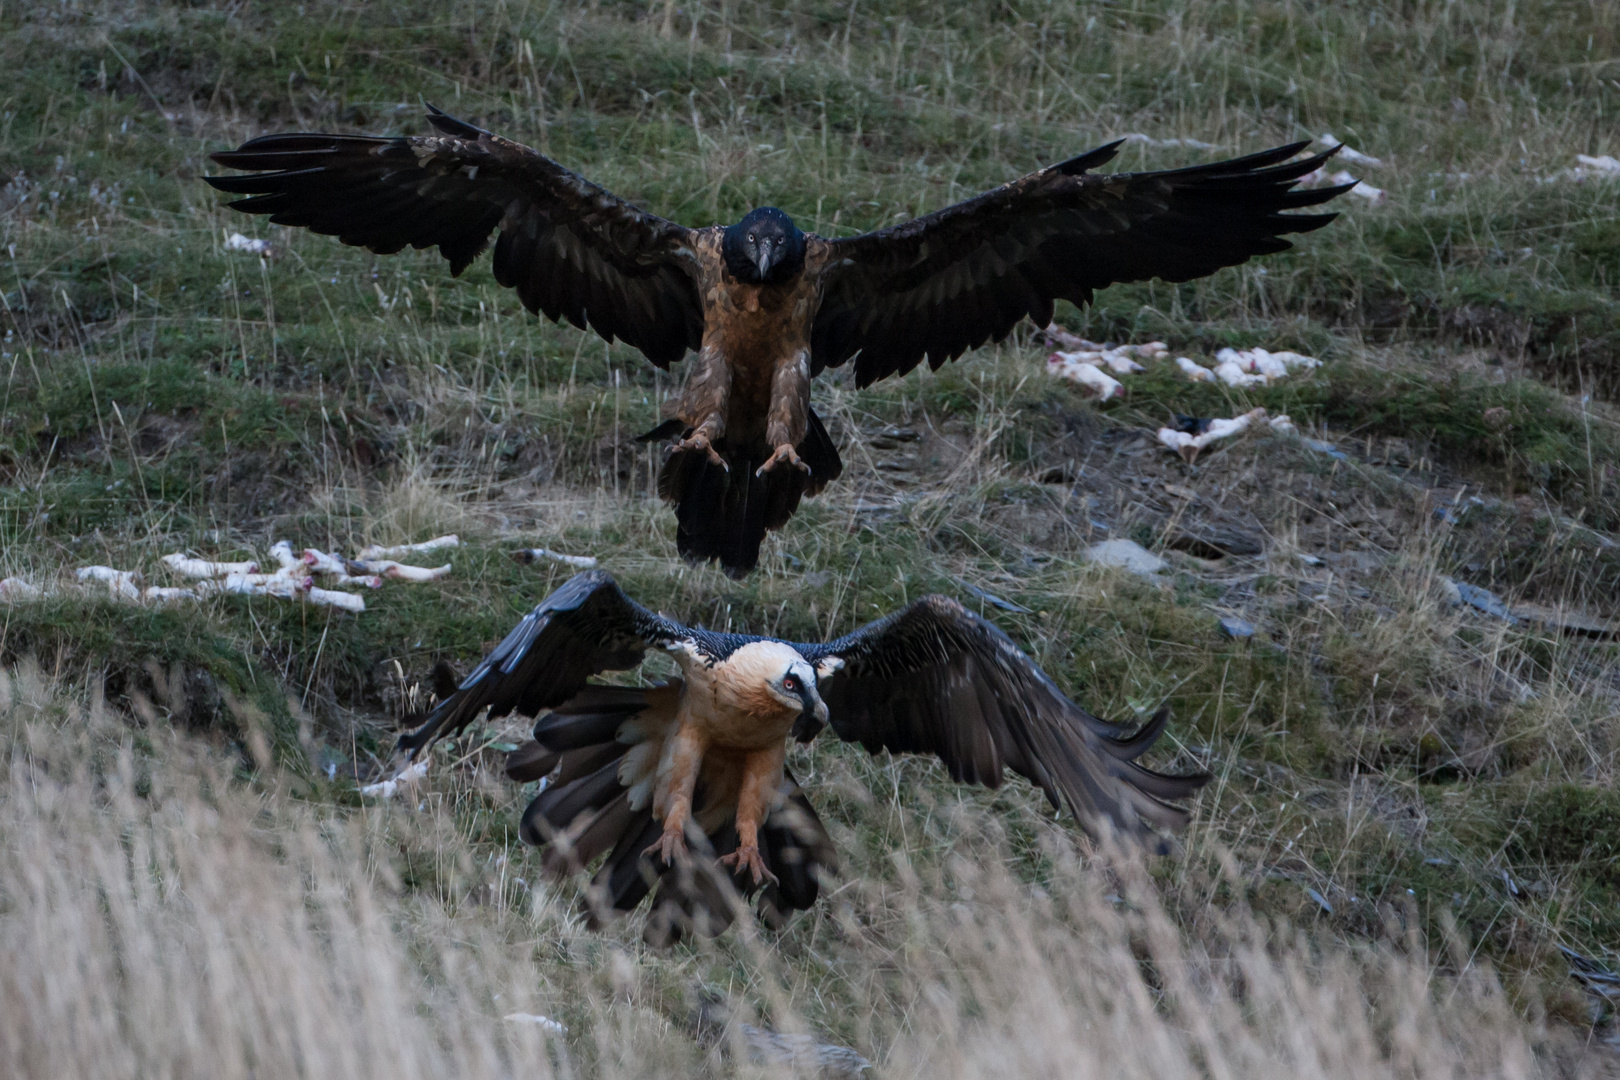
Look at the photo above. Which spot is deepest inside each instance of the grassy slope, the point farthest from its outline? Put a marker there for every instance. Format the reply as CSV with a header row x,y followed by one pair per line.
x,y
1393,755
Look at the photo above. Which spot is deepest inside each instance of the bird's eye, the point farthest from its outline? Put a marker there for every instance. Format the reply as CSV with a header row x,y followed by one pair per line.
x,y
790,683
751,238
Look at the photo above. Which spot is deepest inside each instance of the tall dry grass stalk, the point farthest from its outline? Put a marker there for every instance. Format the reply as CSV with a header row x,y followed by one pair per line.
x,y
159,918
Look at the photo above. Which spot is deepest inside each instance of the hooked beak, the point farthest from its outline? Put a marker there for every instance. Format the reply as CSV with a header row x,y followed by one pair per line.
x,y
763,261
814,706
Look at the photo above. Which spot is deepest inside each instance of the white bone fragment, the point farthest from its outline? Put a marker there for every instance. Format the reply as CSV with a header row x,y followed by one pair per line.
x,y
1117,359
1255,361
237,242
369,581
348,601
1362,190
1188,445
534,555
386,789
545,1023
1059,338
123,583
1231,373
282,552
164,593
1282,425
1293,360
398,571
1195,372
285,586
322,563
186,566
375,552
1101,385
1348,155
1191,144
17,589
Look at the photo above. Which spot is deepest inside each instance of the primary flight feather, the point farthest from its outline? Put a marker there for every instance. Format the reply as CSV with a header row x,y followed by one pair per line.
x,y
765,306
639,772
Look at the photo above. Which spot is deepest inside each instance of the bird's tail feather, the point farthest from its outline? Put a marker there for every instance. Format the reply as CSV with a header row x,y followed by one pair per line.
x,y
585,809
723,512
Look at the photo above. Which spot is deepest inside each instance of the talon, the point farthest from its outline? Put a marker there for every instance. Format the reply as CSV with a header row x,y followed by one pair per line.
x,y
748,858
670,846
701,442
783,453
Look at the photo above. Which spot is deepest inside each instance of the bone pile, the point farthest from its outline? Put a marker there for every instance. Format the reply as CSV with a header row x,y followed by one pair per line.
x,y
1082,361
293,579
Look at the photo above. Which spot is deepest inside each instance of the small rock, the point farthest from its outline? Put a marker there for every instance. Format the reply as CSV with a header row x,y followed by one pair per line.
x,y
1480,599
1450,595
1127,554
1237,628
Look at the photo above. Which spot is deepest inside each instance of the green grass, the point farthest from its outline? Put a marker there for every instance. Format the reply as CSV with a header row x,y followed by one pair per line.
x,y
165,394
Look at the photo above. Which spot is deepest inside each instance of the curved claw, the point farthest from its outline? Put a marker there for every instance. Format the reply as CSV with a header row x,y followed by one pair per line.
x,y
700,442
783,453
749,858
670,847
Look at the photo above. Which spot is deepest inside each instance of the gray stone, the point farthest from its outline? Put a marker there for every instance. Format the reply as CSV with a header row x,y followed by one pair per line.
x,y
1237,628
1127,554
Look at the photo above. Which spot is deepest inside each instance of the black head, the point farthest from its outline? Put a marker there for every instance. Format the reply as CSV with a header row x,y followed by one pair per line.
x,y
764,248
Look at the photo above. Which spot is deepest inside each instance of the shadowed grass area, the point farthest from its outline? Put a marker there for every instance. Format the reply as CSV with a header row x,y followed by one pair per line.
x,y
1390,766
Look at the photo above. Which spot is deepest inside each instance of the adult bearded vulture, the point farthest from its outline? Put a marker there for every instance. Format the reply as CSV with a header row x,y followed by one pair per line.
x,y
641,772
765,306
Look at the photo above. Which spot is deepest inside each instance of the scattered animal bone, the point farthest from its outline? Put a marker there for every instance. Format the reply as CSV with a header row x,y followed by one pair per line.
x,y
1119,362
253,245
285,586
164,594
1191,144
282,552
368,581
1189,443
387,789
1195,372
544,1023
375,552
17,589
348,601
186,566
529,556
1362,190
1346,154
1273,365
123,583
715,1025
322,563
397,571
1094,379
1602,167
1231,373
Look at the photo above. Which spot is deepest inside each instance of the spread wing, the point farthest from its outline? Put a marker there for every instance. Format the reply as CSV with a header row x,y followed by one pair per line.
x,y
941,284
571,249
934,678
586,627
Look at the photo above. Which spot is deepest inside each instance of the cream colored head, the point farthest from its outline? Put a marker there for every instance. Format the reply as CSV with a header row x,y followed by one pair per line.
x,y
777,672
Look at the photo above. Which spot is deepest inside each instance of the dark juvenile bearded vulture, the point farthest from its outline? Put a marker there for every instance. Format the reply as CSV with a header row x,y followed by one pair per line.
x,y
638,773
765,306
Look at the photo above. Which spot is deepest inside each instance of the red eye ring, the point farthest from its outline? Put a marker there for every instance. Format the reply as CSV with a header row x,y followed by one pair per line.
x,y
790,683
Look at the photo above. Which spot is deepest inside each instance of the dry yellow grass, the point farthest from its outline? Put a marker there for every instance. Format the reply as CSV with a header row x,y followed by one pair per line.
x,y
159,918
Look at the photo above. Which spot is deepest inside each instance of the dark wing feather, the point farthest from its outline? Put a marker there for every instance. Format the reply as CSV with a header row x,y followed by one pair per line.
x,y
934,678
586,627
941,284
571,249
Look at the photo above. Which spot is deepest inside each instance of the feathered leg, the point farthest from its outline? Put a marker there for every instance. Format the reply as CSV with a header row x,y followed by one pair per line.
x,y
703,404
677,780
789,416
762,777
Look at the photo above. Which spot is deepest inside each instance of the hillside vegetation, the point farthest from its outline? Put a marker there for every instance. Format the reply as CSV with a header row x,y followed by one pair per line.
x,y
1414,806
